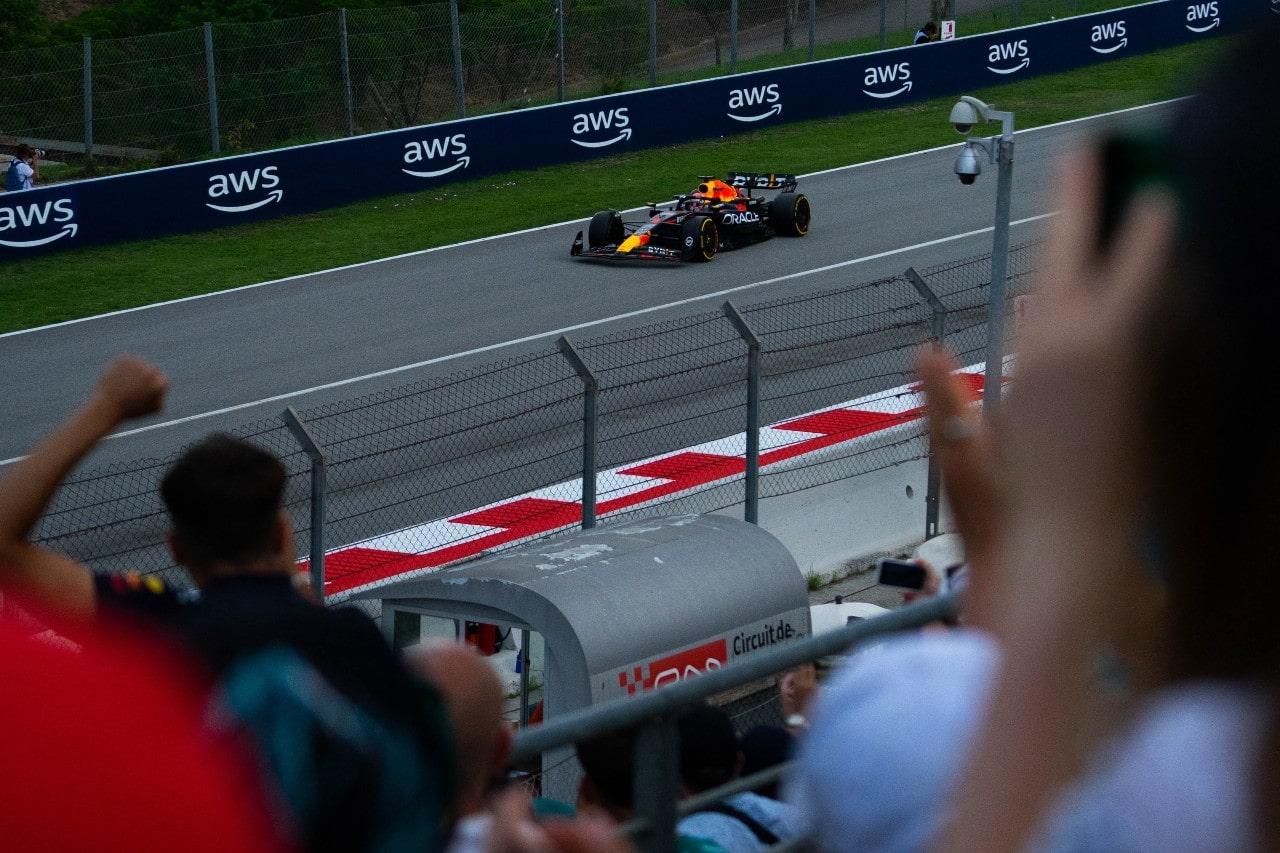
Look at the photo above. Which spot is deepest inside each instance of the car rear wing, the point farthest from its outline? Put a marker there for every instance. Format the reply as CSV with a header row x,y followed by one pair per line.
x,y
761,180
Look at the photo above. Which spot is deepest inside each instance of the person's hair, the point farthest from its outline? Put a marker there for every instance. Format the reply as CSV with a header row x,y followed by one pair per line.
x,y
223,497
608,762
764,747
25,151
1208,338
708,748
929,27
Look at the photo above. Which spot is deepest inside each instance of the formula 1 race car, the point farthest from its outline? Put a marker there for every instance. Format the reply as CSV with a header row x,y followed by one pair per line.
x,y
717,215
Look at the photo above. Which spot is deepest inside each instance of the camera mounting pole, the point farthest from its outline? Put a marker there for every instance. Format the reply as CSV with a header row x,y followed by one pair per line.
x,y
967,112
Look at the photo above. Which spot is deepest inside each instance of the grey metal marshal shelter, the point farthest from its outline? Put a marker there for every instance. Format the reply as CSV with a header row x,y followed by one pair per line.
x,y
625,608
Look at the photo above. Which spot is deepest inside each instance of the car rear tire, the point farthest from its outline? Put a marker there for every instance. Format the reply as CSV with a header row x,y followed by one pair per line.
x,y
790,214
605,229
700,238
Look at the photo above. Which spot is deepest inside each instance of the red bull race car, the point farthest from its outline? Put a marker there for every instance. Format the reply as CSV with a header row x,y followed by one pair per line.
x,y
718,215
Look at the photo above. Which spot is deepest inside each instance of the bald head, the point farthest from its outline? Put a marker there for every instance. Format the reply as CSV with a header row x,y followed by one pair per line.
x,y
473,696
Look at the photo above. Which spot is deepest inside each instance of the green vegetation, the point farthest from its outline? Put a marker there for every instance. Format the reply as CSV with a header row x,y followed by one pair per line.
x,y
90,281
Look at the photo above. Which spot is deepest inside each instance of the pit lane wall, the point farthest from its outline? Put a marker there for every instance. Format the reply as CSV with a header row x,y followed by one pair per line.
x,y
307,178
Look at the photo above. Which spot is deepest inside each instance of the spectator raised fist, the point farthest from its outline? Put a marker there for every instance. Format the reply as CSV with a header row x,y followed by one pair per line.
x,y
132,388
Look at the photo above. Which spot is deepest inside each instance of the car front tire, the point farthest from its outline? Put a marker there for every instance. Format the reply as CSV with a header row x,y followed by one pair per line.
x,y
700,238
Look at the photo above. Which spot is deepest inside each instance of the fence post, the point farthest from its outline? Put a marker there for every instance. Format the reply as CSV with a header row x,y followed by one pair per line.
x,y
733,36
524,677
813,26
653,42
209,72
312,449
589,389
883,11
938,331
88,97
751,502
1015,10
458,83
656,771
346,71
560,50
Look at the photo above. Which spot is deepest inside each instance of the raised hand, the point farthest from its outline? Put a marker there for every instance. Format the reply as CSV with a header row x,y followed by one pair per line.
x,y
131,388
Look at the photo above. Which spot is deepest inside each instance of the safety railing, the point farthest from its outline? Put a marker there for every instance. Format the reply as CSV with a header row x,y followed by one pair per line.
x,y
652,715
657,418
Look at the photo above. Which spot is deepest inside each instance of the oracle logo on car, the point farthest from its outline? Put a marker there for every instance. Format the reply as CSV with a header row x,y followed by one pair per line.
x,y
744,218
235,183
767,97
34,216
416,151
603,120
676,667
1001,53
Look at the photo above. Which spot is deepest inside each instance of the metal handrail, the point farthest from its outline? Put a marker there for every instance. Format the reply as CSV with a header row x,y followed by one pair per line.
x,y
656,757
596,720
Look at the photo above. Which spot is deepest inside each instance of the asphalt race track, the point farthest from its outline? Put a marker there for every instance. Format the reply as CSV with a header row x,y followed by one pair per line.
x,y
266,343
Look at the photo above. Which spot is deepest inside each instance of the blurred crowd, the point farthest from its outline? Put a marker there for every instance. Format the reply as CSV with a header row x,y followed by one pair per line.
x,y
1113,683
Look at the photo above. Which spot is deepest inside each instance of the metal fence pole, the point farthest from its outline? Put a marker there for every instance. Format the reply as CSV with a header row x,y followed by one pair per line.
x,y
524,677
458,83
657,768
653,42
346,71
209,72
733,36
312,449
1015,11
589,390
884,4
938,331
999,270
560,50
751,502
88,97
813,26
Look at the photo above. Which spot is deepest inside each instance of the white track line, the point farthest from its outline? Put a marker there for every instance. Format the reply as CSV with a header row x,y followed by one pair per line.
x,y
561,331
419,252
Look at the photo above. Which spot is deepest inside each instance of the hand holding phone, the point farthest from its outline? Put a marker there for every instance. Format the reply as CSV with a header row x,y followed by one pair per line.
x,y
900,573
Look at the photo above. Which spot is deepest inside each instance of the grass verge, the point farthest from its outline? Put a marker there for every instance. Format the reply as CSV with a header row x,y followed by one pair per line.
x,y
94,280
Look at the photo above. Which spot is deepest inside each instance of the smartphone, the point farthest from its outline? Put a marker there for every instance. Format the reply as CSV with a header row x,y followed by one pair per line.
x,y
1130,163
900,573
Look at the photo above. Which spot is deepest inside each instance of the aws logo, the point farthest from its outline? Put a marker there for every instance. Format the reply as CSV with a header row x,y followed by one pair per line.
x,y
606,122
764,97
897,77
1200,13
34,215
235,183
1008,57
1103,37
431,149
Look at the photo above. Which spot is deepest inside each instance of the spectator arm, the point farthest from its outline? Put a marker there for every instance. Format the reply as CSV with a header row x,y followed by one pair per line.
x,y
42,576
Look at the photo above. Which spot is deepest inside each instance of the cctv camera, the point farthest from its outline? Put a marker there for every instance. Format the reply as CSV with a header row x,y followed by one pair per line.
x,y
968,166
964,116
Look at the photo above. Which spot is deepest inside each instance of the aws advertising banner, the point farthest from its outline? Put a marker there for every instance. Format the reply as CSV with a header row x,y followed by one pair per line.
x,y
307,178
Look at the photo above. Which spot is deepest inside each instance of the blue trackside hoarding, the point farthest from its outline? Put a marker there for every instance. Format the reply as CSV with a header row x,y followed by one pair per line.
x,y
308,178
